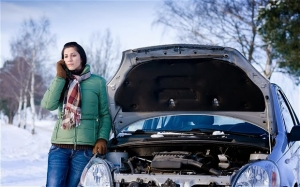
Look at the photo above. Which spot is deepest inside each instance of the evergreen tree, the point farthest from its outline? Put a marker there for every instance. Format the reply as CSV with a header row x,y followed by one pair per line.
x,y
281,29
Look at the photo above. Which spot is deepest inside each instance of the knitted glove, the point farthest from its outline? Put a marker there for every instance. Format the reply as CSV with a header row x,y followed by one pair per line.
x,y
100,147
60,71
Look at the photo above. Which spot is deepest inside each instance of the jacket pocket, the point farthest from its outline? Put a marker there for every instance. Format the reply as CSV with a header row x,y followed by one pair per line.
x,y
56,128
86,131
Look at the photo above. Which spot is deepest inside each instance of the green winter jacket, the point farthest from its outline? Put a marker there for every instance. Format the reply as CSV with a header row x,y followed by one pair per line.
x,y
95,120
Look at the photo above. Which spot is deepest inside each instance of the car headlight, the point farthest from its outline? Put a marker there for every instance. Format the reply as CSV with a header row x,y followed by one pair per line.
x,y
96,173
261,173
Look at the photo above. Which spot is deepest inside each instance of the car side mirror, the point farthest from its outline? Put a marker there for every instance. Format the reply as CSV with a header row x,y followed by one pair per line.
x,y
294,135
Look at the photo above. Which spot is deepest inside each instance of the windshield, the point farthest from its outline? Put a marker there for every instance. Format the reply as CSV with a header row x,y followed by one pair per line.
x,y
177,123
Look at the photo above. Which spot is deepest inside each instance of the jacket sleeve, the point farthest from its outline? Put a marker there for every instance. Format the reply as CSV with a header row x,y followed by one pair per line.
x,y
105,120
51,97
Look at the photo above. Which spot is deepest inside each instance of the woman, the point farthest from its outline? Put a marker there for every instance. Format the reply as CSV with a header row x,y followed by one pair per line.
x,y
84,122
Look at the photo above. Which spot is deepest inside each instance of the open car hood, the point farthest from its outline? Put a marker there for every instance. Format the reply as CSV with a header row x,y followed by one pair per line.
x,y
185,78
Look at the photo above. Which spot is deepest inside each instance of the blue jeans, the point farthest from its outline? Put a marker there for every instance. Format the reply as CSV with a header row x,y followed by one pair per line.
x,y
65,166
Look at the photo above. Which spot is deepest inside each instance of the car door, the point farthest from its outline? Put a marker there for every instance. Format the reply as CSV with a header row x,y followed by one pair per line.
x,y
289,119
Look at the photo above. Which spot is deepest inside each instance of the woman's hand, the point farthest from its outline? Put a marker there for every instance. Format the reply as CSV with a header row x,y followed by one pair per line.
x,y
100,147
60,71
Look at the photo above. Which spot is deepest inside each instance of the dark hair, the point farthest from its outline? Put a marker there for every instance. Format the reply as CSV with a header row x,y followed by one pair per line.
x,y
78,48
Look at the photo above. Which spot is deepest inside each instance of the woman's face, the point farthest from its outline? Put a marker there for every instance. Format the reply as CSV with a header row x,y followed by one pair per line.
x,y
72,59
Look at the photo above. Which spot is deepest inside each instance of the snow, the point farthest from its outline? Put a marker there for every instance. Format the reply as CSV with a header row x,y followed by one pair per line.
x,y
23,155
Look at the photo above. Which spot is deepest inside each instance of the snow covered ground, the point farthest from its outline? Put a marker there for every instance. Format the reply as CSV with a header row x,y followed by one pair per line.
x,y
24,156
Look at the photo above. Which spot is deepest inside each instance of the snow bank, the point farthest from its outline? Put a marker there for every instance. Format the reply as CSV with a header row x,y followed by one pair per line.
x,y
24,156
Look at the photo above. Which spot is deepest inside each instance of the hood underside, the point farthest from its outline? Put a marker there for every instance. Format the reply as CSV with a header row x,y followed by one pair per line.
x,y
183,78
188,85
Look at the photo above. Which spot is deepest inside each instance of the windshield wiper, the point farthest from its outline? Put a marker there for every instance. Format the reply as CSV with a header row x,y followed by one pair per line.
x,y
202,131
245,134
199,131
224,132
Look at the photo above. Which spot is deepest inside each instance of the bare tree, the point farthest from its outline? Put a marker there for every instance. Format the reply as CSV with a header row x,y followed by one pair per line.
x,y
103,53
21,77
15,78
14,75
231,23
32,43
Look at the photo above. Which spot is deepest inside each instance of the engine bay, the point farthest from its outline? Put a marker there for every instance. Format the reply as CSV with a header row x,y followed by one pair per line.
x,y
182,160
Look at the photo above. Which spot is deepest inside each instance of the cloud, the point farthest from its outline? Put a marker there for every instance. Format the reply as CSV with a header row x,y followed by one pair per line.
x,y
130,21
14,13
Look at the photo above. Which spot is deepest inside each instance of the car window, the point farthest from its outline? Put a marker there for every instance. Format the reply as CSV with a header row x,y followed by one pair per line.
x,y
285,112
194,122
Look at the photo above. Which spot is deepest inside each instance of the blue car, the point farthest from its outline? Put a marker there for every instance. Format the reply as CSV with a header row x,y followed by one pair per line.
x,y
192,116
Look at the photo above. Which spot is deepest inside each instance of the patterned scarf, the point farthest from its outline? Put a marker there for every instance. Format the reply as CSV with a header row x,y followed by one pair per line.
x,y
72,102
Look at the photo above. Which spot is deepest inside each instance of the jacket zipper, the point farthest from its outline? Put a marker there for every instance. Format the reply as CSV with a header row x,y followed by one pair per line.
x,y
75,138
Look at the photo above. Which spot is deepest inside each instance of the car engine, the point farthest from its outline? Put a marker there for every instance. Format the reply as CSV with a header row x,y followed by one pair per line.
x,y
154,166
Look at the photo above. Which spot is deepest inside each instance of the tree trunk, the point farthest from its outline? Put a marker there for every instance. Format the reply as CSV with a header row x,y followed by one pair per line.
x,y
24,116
32,105
268,68
10,117
40,115
19,108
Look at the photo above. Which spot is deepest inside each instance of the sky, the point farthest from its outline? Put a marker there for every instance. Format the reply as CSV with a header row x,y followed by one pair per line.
x,y
130,23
